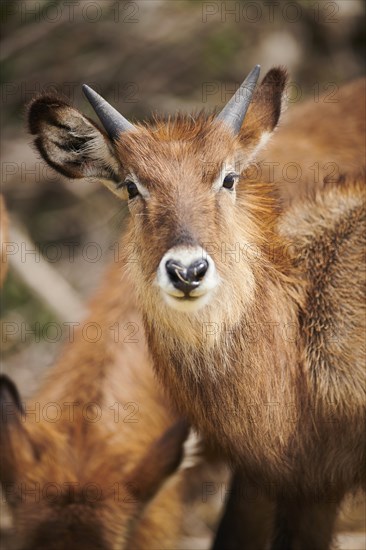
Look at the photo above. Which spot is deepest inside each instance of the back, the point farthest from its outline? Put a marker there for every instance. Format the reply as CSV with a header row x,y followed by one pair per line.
x,y
318,140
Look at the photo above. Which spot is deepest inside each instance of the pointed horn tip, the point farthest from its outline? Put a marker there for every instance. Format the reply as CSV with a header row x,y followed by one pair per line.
x,y
254,73
235,110
114,123
93,97
89,92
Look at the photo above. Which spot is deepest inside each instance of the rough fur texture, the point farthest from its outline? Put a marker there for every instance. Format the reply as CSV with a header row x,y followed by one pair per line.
x,y
325,138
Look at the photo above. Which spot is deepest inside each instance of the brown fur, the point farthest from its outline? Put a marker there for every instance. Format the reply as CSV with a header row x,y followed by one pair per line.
x,y
261,382
330,132
126,461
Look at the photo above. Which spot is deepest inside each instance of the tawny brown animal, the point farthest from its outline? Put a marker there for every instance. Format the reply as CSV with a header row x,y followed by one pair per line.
x,y
319,139
89,464
260,347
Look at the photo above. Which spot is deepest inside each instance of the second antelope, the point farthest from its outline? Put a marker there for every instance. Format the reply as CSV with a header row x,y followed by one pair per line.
x,y
89,464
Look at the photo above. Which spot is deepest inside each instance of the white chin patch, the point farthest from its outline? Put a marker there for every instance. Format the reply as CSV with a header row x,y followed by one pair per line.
x,y
200,296
187,305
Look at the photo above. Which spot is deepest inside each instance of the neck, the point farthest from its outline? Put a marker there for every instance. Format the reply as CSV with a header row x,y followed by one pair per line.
x,y
238,381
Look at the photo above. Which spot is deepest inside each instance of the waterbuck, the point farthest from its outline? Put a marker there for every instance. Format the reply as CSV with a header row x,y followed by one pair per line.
x,y
254,321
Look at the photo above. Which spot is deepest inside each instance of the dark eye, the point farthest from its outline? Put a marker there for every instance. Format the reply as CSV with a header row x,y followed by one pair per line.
x,y
229,181
131,189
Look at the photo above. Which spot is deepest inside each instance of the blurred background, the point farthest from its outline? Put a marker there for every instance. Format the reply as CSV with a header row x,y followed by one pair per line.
x,y
143,56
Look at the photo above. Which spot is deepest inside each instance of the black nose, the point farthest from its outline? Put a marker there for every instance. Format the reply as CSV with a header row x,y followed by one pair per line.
x,y
186,278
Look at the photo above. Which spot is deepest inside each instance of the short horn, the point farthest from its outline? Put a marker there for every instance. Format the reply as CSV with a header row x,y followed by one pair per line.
x,y
113,122
235,110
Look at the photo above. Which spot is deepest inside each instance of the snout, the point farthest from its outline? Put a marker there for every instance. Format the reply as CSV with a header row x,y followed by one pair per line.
x,y
187,277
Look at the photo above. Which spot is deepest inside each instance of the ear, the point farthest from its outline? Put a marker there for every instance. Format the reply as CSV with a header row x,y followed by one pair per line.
x,y
70,142
15,445
160,461
264,112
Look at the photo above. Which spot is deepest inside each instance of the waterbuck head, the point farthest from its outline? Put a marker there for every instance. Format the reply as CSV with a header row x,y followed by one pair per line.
x,y
191,209
72,485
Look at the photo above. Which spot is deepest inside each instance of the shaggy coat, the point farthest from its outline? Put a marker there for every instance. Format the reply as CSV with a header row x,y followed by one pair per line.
x,y
318,141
